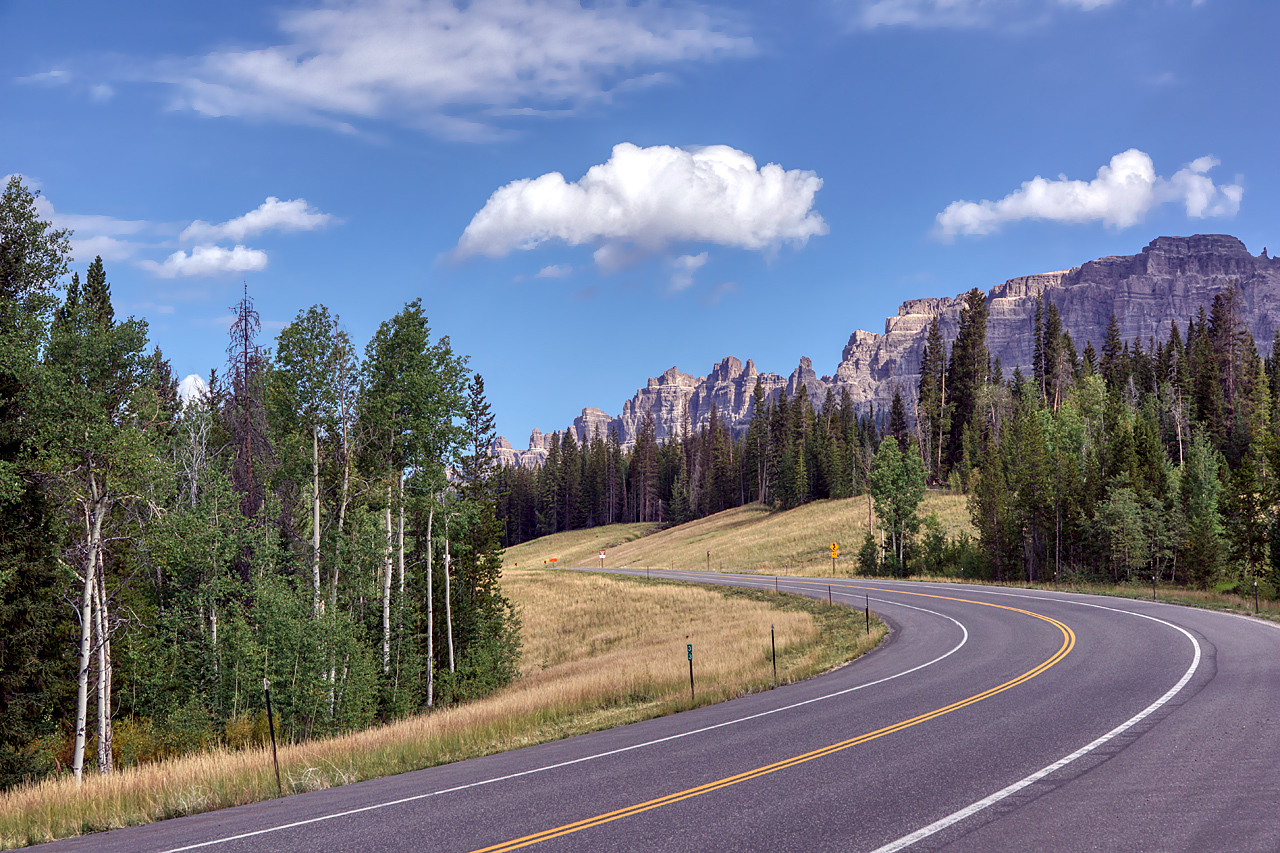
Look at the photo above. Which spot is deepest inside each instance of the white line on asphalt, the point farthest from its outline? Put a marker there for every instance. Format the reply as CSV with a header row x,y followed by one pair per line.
x,y
241,836
970,810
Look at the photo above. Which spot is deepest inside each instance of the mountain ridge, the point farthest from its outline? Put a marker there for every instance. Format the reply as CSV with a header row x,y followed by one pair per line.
x,y
1169,280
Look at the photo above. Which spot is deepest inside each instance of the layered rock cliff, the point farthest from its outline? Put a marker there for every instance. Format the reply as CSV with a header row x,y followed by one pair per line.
x,y
1169,280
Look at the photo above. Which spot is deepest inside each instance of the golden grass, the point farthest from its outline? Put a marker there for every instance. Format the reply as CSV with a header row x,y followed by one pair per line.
x,y
751,538
573,548
599,651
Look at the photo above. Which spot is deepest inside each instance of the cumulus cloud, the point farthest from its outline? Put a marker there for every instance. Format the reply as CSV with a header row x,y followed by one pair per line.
x,y
191,388
272,215
868,14
685,266
451,66
1120,196
208,260
644,199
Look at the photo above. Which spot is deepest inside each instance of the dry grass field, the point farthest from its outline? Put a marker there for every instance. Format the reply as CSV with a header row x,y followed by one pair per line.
x,y
599,651
752,538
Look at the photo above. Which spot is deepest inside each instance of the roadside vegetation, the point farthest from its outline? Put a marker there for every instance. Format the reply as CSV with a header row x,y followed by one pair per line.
x,y
599,651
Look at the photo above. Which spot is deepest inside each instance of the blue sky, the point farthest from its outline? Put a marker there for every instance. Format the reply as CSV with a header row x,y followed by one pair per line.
x,y
585,195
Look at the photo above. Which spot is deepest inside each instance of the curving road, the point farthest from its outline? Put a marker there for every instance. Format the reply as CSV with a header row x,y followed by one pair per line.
x,y
991,719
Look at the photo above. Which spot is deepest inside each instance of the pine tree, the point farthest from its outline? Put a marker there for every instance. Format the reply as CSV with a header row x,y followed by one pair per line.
x,y
33,258
968,370
1201,493
898,428
485,624
1111,365
931,400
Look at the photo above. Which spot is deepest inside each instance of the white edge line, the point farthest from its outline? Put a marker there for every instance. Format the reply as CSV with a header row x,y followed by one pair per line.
x,y
970,810
963,639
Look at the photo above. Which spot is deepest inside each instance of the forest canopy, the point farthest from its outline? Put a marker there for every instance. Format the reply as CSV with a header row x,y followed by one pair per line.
x,y
317,517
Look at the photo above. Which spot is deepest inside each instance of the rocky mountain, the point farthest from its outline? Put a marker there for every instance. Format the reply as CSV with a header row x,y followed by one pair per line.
x,y
1169,280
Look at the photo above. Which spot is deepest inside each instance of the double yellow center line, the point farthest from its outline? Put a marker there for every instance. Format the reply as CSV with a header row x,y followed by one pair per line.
x,y
1068,642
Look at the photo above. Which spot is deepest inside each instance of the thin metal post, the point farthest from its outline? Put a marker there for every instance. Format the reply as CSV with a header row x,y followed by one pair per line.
x,y
774,644
691,699
867,613
271,725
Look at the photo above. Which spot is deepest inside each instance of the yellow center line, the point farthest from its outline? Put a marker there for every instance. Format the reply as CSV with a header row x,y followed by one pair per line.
x,y
1068,642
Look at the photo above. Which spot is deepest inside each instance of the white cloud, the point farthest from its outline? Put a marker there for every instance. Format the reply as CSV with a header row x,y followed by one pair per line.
x,y
192,387
94,235
554,271
650,198
1120,196
451,66
208,260
105,236
868,14
685,266
272,215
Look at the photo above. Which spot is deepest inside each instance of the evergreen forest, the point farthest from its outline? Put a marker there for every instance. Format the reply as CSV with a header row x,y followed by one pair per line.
x,y
319,520
1156,459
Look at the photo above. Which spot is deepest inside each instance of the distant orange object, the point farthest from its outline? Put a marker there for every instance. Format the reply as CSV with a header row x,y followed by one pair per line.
x,y
554,560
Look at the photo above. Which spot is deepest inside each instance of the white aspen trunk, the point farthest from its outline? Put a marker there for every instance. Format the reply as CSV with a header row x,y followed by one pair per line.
x,y
431,613
342,513
448,604
101,686
93,522
106,671
213,635
400,539
386,590
317,601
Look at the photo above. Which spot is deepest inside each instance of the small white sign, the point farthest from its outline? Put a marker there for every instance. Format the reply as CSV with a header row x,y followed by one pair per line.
x,y
602,555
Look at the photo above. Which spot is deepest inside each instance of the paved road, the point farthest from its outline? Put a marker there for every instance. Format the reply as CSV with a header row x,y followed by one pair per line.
x,y
992,719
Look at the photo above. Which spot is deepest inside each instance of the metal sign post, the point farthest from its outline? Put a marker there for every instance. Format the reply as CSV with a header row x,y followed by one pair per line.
x,y
690,648
271,725
774,644
835,552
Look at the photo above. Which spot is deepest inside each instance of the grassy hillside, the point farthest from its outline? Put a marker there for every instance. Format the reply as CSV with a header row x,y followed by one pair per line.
x,y
749,538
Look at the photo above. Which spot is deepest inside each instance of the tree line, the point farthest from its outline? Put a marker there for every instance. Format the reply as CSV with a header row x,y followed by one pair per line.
x,y
318,519
1154,459
791,453
1147,459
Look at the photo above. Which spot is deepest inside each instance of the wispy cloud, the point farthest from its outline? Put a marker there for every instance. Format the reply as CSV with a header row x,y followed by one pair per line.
x,y
720,292
555,271
685,266
131,240
930,14
448,67
1120,196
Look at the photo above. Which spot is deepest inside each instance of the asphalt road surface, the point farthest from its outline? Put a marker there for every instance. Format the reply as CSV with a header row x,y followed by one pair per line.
x,y
991,719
